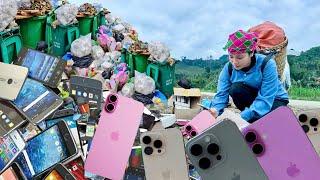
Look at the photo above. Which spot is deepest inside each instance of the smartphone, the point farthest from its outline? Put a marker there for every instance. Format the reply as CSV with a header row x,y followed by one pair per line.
x,y
309,121
42,67
51,146
235,117
10,146
89,89
60,172
198,124
12,173
28,131
114,137
135,169
220,151
10,117
76,167
164,154
71,120
12,78
36,102
282,147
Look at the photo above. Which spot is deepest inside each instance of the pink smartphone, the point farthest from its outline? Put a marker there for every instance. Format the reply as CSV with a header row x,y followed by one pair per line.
x,y
198,124
281,146
114,137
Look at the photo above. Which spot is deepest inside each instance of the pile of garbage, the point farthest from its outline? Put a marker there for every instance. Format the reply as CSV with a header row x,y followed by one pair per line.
x,y
66,15
8,11
32,8
87,9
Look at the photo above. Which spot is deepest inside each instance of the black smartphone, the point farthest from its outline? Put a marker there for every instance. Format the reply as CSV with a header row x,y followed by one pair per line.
x,y
42,67
36,101
14,172
10,117
89,89
42,152
59,172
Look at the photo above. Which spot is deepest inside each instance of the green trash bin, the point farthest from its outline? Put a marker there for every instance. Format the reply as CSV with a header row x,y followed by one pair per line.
x,y
63,36
51,17
33,30
102,19
10,45
164,77
138,62
88,24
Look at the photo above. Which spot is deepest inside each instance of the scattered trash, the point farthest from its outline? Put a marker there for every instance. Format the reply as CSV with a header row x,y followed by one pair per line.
x,y
66,14
8,11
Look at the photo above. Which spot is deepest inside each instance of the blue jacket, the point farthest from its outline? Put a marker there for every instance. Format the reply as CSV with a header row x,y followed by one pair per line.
x,y
268,83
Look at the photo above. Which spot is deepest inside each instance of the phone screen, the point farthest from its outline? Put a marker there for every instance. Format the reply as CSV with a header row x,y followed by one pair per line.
x,y
71,122
135,169
9,174
42,152
34,98
10,146
76,167
54,175
41,66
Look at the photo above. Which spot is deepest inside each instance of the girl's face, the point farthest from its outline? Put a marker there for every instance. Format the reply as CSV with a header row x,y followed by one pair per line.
x,y
240,61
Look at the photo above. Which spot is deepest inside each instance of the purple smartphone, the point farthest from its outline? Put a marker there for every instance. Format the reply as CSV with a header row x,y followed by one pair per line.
x,y
281,146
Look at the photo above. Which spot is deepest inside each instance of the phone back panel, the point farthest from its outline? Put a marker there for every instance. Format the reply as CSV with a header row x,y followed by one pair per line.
x,y
309,120
234,160
288,153
113,140
200,122
170,162
12,78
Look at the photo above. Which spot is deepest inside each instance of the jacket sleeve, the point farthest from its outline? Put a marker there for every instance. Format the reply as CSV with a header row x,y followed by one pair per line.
x,y
266,95
221,99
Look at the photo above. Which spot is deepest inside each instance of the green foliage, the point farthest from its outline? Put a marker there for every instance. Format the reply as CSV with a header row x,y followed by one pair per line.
x,y
304,70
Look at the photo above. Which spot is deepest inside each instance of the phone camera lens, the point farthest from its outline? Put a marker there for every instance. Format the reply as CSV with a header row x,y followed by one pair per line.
x,y
250,137
314,122
305,128
193,133
157,144
10,81
219,157
257,149
113,98
148,150
204,163
213,149
146,140
109,107
303,118
196,149
188,128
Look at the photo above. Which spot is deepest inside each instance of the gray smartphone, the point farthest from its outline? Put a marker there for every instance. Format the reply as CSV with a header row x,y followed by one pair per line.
x,y
42,67
12,78
221,152
36,102
10,117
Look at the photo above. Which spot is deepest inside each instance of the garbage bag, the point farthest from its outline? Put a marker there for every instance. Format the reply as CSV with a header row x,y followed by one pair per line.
x,y
97,52
82,62
128,90
158,52
24,4
67,14
82,46
8,11
144,84
145,99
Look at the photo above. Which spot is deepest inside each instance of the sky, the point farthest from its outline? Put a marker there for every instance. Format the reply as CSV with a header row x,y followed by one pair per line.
x,y
200,28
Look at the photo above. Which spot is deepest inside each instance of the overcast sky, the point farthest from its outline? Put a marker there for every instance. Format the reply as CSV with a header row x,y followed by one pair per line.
x,y
200,28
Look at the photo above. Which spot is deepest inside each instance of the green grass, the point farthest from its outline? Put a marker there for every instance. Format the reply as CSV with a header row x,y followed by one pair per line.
x,y
185,69
304,93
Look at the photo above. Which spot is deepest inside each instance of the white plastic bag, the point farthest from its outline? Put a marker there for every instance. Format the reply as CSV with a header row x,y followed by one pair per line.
x,y
128,90
8,11
97,52
24,4
66,14
82,46
158,51
143,84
